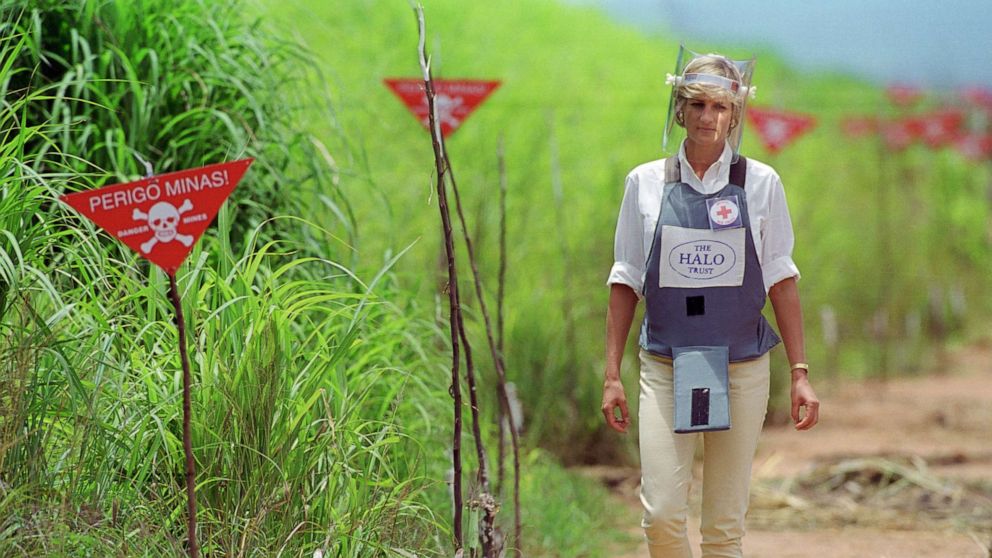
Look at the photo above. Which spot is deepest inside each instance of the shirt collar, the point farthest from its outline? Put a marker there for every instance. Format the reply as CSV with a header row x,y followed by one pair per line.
x,y
716,177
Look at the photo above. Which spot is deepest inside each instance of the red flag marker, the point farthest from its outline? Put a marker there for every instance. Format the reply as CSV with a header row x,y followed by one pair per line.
x,y
163,216
903,95
940,128
777,128
456,99
898,134
980,97
977,147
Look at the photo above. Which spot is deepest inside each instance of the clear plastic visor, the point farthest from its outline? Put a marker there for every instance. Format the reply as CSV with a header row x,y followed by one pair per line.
x,y
740,92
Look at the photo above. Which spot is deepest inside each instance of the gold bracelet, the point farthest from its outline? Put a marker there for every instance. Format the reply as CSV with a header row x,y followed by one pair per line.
x,y
800,366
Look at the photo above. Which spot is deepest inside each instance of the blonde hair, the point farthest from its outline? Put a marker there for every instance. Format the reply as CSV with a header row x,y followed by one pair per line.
x,y
716,65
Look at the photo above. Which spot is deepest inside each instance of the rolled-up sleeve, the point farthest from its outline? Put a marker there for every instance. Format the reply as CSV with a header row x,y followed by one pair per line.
x,y
628,244
777,239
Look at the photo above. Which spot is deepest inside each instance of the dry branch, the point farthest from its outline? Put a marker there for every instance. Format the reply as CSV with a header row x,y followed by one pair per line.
x,y
453,312
504,402
500,292
491,545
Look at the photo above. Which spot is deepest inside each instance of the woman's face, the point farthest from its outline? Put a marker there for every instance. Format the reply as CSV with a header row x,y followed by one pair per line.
x,y
707,120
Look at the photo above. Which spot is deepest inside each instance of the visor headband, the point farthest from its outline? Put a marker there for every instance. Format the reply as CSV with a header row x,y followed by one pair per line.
x,y
710,79
720,81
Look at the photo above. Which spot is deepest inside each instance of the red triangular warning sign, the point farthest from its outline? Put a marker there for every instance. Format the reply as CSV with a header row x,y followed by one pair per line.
x,y
898,134
977,147
903,95
979,97
941,127
456,99
778,128
162,217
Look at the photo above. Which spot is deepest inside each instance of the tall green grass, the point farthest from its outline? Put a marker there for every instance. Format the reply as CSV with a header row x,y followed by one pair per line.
x,y
178,84
320,409
316,390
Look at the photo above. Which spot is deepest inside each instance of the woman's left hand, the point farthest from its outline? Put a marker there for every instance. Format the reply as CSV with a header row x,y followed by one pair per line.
x,y
804,397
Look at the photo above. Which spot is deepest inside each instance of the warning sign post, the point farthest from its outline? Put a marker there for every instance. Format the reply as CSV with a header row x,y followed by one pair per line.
x,y
161,218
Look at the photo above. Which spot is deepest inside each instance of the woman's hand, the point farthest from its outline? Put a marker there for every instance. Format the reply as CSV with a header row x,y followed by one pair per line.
x,y
804,397
789,316
614,398
620,313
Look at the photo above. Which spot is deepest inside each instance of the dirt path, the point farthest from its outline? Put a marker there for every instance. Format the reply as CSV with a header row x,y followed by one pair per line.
x,y
899,470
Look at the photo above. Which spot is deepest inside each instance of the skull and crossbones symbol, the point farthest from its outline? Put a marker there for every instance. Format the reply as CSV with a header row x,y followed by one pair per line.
x,y
163,218
446,106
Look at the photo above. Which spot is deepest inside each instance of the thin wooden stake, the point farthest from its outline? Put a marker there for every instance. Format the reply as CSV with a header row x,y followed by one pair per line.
x,y
488,524
454,314
491,545
194,548
501,285
496,356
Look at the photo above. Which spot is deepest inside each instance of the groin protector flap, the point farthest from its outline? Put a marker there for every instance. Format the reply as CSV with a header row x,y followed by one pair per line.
x,y
702,400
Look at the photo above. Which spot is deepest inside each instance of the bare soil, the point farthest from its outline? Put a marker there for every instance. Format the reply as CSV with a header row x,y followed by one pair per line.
x,y
901,469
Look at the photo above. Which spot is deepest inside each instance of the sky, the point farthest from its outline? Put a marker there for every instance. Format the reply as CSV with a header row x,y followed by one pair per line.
x,y
926,43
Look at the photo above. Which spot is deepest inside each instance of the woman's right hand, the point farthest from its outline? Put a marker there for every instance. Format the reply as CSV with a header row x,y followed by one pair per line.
x,y
619,314
614,398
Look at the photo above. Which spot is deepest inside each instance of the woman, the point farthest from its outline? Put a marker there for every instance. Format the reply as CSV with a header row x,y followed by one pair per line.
x,y
702,237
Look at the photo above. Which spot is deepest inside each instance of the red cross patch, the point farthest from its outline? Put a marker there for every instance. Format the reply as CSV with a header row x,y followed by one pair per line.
x,y
724,213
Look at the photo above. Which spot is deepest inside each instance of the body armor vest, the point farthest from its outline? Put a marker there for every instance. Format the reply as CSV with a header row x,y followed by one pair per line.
x,y
703,284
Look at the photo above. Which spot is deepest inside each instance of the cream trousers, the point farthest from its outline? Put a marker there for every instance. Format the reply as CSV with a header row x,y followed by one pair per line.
x,y
666,461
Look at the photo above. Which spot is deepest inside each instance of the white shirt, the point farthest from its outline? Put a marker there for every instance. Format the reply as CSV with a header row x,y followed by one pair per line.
x,y
771,227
